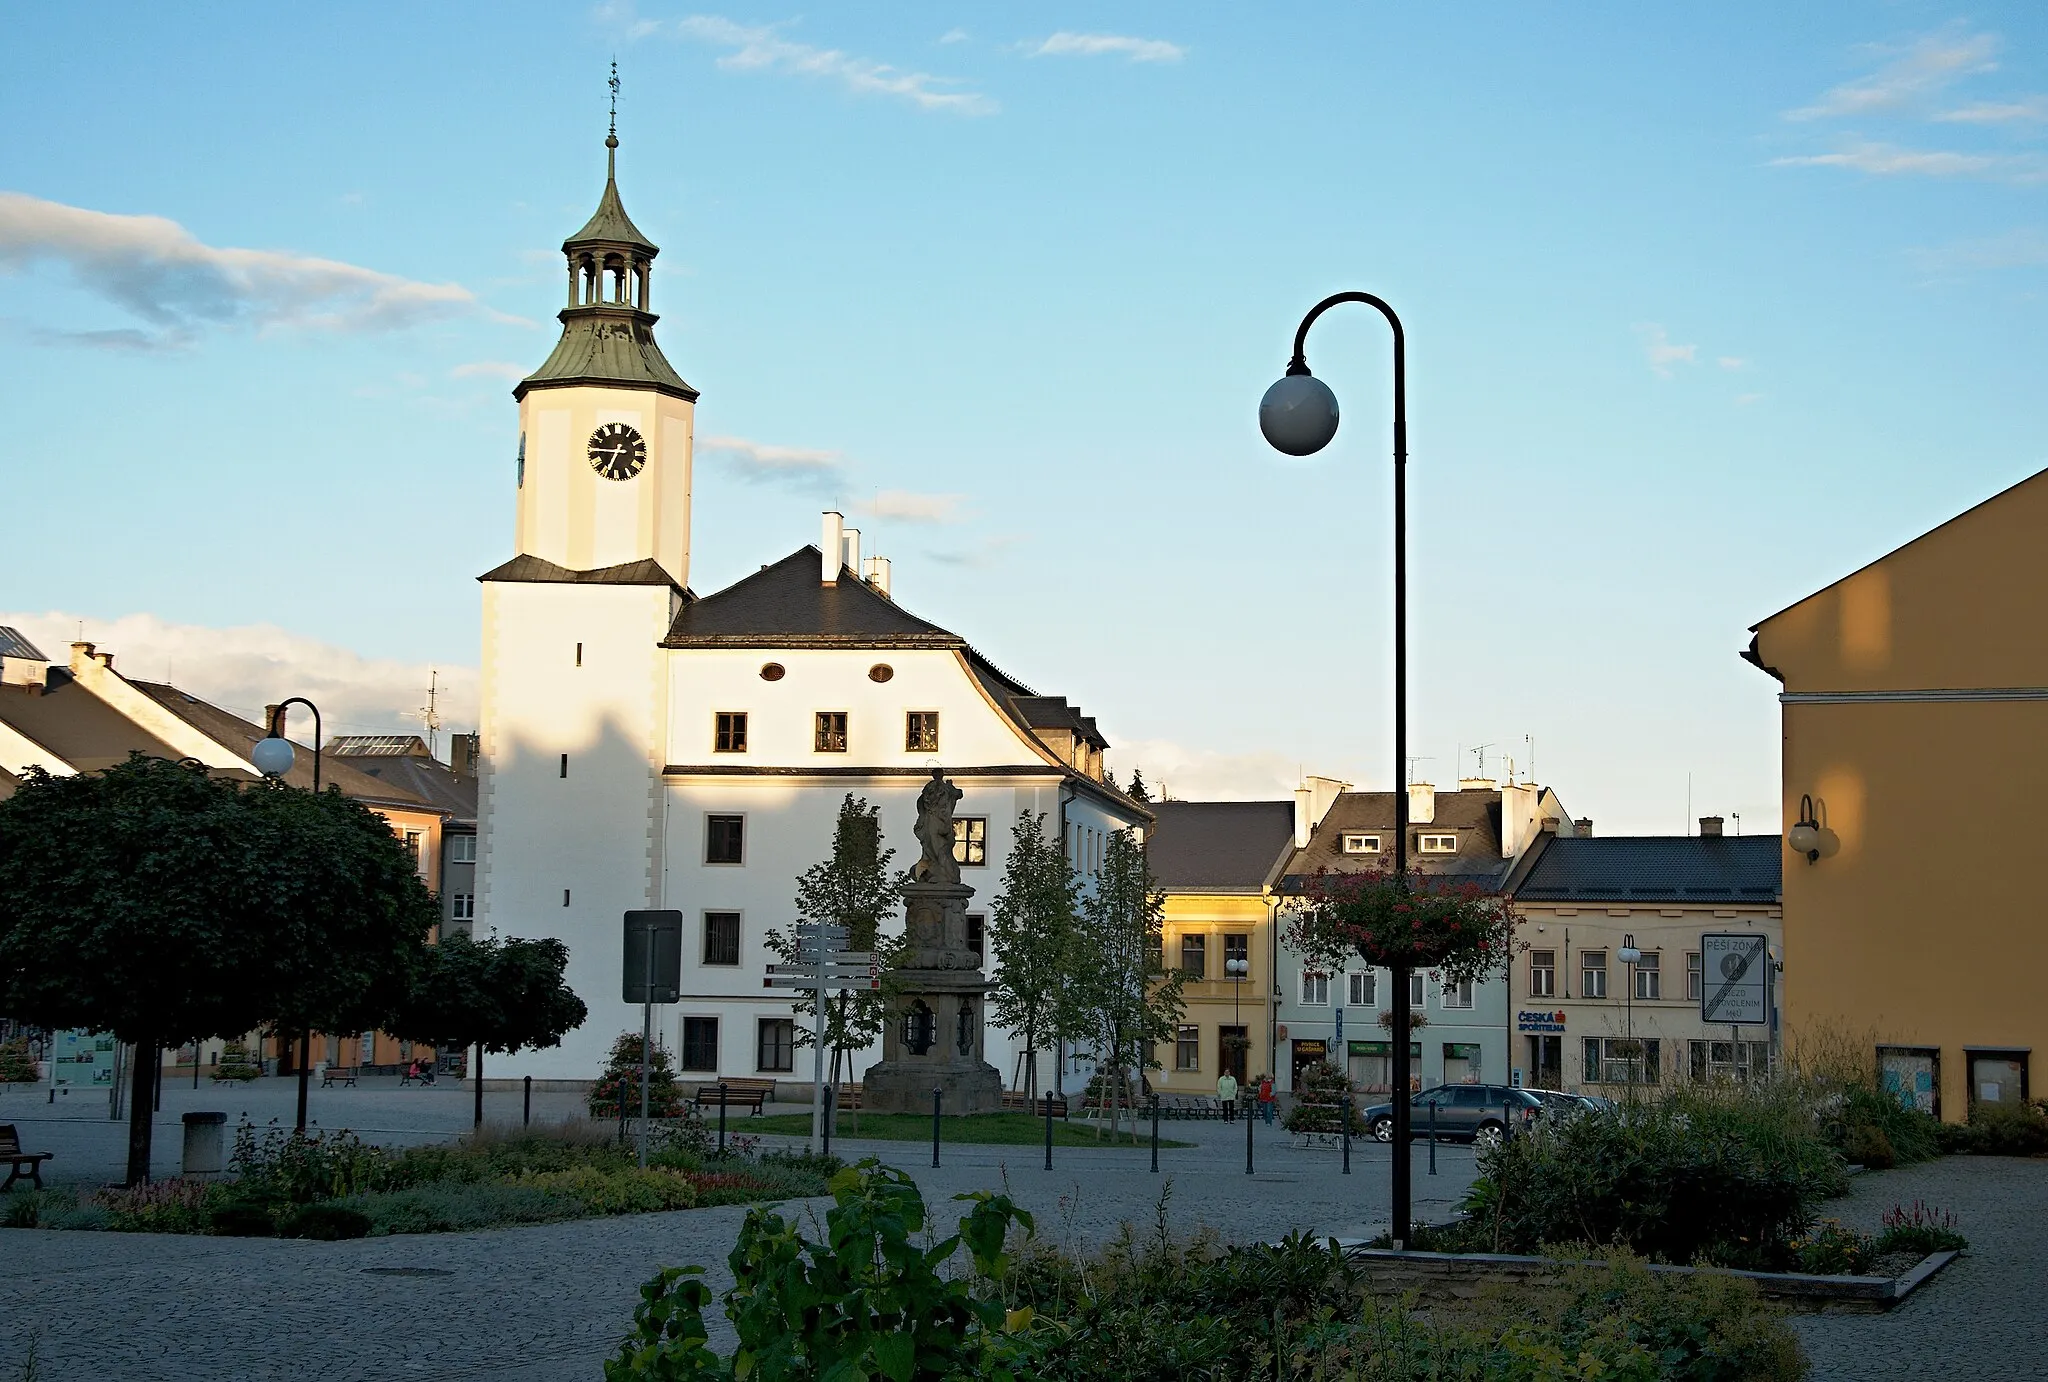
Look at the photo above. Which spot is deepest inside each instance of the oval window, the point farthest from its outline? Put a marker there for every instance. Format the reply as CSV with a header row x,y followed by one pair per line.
x,y
881,671
771,671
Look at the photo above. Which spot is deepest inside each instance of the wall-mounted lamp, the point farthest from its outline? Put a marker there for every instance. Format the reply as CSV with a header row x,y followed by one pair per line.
x,y
1811,835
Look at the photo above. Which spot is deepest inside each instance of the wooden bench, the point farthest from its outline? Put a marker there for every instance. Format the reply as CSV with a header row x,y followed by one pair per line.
x,y
751,1095
849,1098
339,1074
1017,1102
11,1152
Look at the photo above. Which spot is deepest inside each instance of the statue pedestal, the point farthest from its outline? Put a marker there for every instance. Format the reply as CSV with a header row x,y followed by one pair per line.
x,y
933,1036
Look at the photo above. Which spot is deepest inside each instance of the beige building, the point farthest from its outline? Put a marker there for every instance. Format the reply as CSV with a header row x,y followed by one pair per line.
x,y
1609,971
1915,733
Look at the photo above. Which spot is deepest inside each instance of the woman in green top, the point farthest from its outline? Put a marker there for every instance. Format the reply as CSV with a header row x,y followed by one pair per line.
x,y
1226,1095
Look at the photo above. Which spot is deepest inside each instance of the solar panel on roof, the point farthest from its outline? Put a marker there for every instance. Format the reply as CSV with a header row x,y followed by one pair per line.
x,y
14,643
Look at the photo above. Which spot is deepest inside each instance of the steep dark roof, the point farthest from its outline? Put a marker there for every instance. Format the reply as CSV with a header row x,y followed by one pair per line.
x,y
1218,846
427,778
786,606
1654,868
607,344
1474,817
609,224
527,568
238,735
75,725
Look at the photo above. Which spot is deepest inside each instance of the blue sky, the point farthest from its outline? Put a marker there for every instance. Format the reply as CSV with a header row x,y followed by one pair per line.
x,y
1704,309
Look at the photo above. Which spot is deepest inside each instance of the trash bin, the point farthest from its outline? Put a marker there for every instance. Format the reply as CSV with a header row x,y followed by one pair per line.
x,y
206,1138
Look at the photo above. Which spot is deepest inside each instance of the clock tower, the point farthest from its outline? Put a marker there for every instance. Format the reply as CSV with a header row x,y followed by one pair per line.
x,y
605,422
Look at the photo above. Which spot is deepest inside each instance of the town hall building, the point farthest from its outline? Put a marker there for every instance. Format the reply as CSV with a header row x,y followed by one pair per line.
x,y
646,747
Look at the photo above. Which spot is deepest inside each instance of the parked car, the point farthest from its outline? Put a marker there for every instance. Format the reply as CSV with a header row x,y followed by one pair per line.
x,y
1559,1105
1475,1113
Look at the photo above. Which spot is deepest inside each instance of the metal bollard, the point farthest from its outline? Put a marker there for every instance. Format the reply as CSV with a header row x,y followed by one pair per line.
x,y
937,1096
1345,1132
721,1117
1432,1139
1249,1123
1048,1131
1155,1132
526,1119
1507,1125
825,1121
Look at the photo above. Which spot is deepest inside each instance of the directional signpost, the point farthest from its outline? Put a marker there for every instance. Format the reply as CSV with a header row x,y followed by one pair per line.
x,y
653,974
823,966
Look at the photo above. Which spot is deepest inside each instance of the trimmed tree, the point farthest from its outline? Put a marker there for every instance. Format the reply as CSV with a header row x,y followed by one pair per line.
x,y
1032,931
852,888
621,1080
156,903
1124,999
496,994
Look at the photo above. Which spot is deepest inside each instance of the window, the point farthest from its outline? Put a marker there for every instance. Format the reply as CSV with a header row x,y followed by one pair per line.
x,y
725,839
775,1044
1623,1060
1364,989
970,841
1457,995
1728,1060
1315,989
462,849
731,734
1542,973
1593,974
1415,991
921,731
977,935
831,735
1695,977
1187,1048
1194,955
1237,950
700,1043
462,907
1439,844
721,938
1361,844
413,839
1649,976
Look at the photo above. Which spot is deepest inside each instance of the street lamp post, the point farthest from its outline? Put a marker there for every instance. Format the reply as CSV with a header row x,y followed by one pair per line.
x,y
1630,956
1237,970
1298,416
273,758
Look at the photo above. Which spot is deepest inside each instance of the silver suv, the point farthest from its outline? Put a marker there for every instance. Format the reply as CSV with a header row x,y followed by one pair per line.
x,y
1476,1113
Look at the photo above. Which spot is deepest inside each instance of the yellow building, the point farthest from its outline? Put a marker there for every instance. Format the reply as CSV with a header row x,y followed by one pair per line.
x,y
1217,862
1915,730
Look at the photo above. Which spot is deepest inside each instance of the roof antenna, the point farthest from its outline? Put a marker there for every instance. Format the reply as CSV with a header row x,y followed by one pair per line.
x,y
430,713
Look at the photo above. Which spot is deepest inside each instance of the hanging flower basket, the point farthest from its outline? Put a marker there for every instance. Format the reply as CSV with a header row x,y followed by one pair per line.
x,y
1460,930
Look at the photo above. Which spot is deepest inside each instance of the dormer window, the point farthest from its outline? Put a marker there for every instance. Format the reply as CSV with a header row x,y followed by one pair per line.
x,y
1361,844
1439,844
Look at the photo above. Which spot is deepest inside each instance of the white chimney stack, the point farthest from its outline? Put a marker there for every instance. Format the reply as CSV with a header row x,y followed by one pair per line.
x,y
878,575
1421,803
831,548
1302,823
849,554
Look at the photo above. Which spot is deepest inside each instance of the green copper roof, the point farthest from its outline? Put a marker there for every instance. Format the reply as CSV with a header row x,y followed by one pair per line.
x,y
608,344
610,223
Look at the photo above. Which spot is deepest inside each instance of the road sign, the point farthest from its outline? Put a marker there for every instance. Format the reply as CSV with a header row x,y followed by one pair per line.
x,y
810,981
663,960
1737,971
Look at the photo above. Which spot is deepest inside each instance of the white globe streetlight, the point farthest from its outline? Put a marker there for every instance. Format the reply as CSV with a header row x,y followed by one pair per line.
x,y
1298,415
273,756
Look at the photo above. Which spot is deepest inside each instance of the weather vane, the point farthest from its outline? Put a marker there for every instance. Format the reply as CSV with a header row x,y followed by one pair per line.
x,y
615,97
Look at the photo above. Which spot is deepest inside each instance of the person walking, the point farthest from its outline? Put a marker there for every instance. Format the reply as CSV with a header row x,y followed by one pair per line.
x,y
1226,1095
1266,1098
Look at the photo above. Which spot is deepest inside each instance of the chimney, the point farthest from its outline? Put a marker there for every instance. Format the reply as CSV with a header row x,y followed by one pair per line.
x,y
1303,824
1710,827
1477,784
1549,825
269,719
849,551
81,657
1421,803
878,575
463,753
832,548
1583,827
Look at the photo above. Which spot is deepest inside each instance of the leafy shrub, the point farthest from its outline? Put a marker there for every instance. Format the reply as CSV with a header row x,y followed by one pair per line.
x,y
1867,1146
453,1208
236,1063
2008,1130
302,1167
15,1065
628,1190
326,1223
621,1079
1865,1122
1320,1090
1921,1229
1832,1250
164,1206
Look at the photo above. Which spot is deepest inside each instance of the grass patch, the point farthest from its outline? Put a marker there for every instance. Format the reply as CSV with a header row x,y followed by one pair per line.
x,y
977,1129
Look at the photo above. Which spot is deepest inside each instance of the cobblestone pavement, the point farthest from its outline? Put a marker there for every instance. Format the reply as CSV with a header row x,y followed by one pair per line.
x,y
547,1303
1984,1317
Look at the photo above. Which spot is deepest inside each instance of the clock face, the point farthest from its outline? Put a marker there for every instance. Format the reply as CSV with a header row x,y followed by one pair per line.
x,y
617,451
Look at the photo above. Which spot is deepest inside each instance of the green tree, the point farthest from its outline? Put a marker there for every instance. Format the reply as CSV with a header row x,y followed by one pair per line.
x,y
496,994
1138,791
1125,1001
855,889
621,1079
1032,933
161,905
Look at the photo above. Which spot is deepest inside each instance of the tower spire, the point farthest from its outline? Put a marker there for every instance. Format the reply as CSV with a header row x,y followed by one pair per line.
x,y
611,138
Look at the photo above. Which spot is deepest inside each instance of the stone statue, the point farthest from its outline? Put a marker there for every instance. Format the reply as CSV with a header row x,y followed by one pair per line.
x,y
935,830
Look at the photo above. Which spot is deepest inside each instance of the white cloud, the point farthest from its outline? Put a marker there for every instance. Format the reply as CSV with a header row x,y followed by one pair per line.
x,y
1889,160
1662,353
1067,44
908,506
1731,362
2032,110
754,460
1744,400
954,36
489,369
244,668
1930,65
1195,774
761,48
159,271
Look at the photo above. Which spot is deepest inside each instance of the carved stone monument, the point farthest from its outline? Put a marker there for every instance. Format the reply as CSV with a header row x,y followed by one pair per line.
x,y
933,1036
